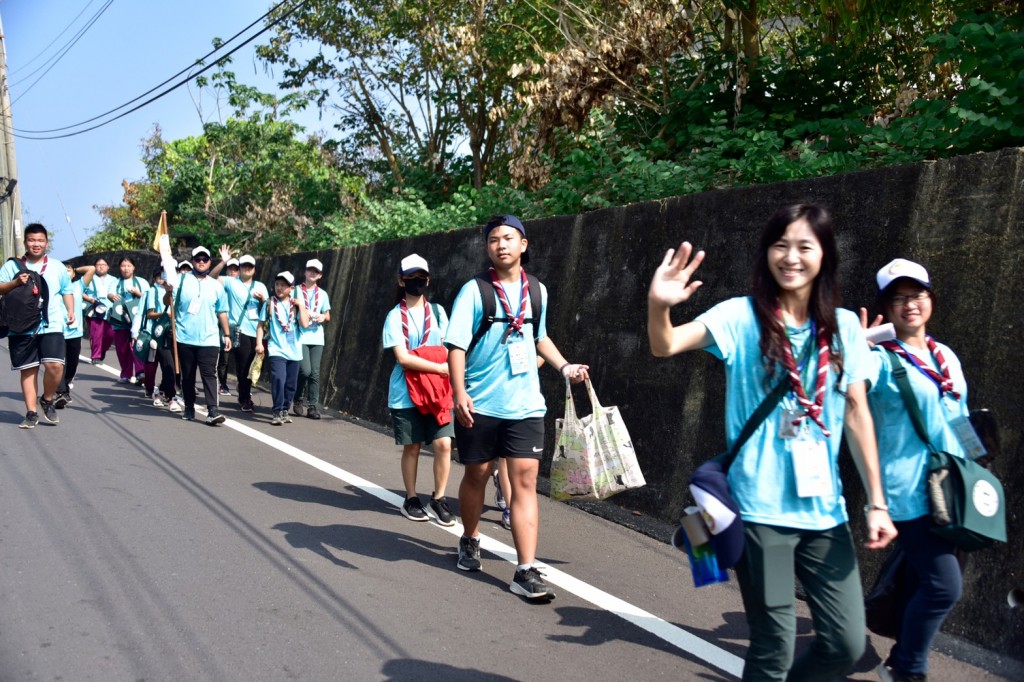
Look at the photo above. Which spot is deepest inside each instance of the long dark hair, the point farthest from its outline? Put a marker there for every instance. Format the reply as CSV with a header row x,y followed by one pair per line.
x,y
825,295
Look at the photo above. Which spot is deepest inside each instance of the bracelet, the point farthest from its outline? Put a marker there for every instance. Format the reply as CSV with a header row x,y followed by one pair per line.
x,y
875,507
561,369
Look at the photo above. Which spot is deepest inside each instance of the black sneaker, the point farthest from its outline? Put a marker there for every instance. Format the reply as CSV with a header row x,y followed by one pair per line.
x,y
312,412
214,419
49,411
469,554
413,510
440,511
189,414
30,421
530,584
61,401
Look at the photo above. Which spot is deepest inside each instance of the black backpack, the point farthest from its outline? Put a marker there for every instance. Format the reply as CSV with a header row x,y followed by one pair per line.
x,y
25,306
483,281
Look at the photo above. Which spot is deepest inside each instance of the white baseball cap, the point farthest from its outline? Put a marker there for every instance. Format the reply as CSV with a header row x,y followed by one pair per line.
x,y
899,268
247,259
200,249
286,276
231,261
413,263
183,264
315,264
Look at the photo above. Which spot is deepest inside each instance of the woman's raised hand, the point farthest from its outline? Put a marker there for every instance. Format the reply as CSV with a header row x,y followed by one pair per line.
x,y
671,284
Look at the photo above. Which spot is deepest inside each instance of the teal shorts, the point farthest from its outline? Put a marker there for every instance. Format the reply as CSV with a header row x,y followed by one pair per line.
x,y
411,426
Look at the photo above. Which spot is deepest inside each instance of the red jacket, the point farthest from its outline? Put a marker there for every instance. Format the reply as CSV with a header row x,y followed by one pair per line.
x,y
431,393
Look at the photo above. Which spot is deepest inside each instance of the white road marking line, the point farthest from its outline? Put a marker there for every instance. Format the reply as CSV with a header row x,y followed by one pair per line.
x,y
660,628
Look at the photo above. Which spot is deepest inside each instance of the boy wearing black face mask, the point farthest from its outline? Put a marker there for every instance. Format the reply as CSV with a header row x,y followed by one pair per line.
x,y
307,391
419,394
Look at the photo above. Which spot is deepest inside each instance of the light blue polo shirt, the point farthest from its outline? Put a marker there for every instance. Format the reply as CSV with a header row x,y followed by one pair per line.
x,y
495,391
317,302
74,331
398,391
57,283
153,301
901,452
206,299
99,287
282,344
762,478
243,307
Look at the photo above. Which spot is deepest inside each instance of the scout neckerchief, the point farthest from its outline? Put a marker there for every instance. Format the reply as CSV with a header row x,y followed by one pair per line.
x,y
404,307
35,287
941,378
312,308
286,322
812,408
515,324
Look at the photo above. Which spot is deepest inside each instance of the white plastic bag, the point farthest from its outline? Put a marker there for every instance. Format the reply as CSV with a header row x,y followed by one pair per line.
x,y
594,457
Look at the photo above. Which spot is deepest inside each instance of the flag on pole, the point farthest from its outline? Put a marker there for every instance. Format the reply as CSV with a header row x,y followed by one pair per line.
x,y
162,244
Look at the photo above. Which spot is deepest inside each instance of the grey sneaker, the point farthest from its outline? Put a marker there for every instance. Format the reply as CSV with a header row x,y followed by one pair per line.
x,y
506,518
440,511
285,418
312,412
49,411
413,510
530,584
277,420
469,554
299,408
214,419
30,421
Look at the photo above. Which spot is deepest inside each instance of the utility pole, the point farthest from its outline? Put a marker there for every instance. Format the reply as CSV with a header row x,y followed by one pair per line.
x,y
11,243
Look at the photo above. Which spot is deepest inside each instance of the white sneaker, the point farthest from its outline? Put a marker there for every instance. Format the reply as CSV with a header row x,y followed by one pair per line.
x,y
175,405
158,401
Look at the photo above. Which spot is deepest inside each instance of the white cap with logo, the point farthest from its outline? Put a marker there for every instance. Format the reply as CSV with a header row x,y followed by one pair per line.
x,y
413,263
200,249
902,267
315,264
286,276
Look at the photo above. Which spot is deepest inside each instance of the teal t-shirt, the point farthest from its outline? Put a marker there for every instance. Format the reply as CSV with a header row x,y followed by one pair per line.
x,y
762,477
99,287
58,283
398,391
74,331
902,454
317,301
283,325
243,307
127,299
494,389
196,313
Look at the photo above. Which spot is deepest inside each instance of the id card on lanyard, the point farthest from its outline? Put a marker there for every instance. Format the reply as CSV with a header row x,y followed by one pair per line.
x,y
811,464
518,357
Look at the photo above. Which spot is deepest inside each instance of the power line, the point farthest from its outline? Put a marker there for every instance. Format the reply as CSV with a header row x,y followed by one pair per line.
x,y
60,55
29,134
43,51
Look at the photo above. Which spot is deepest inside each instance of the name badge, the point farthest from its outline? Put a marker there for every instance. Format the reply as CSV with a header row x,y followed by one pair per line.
x,y
289,337
518,357
252,312
968,437
811,465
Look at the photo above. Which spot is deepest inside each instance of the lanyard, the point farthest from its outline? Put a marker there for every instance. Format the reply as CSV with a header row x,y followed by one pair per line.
x,y
312,308
286,322
515,324
406,319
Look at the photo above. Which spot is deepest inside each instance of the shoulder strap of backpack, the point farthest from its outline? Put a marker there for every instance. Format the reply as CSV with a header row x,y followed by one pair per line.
x,y
535,299
483,283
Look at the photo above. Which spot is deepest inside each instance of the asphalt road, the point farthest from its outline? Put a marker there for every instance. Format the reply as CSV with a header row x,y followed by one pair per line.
x,y
137,546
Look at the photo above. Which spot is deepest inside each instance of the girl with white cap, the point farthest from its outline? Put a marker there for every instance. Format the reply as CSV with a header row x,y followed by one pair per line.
x,y
415,331
284,316
906,299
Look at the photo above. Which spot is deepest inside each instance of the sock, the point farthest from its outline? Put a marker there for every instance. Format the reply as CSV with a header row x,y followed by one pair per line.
x,y
524,567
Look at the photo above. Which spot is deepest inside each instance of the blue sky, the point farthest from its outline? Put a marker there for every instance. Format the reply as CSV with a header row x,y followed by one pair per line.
x,y
133,46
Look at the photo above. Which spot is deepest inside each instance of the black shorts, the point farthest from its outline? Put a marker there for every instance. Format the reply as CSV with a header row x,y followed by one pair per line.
x,y
27,351
493,437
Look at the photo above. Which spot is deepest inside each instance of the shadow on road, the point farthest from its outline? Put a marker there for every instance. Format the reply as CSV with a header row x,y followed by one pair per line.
x,y
412,670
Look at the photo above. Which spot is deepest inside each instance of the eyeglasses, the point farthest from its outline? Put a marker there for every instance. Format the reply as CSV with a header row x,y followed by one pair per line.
x,y
901,301
201,259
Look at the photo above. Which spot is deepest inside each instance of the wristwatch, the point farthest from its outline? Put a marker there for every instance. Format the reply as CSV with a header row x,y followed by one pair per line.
x,y
875,507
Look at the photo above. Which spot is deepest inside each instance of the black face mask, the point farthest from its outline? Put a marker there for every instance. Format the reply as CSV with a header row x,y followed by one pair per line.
x,y
414,287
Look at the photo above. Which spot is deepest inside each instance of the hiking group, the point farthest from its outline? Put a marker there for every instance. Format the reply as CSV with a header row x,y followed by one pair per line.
x,y
794,361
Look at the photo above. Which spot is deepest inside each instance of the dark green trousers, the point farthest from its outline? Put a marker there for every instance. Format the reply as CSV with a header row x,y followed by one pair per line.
x,y
826,565
308,389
